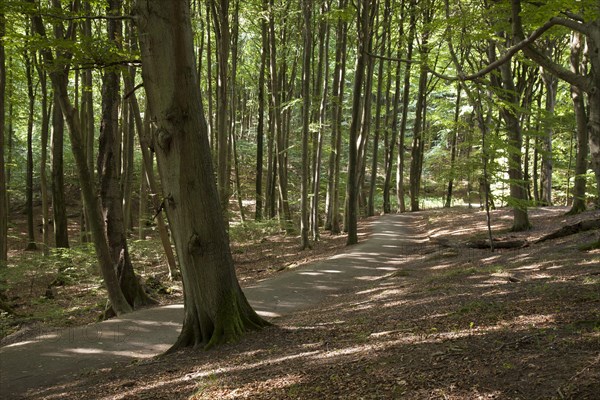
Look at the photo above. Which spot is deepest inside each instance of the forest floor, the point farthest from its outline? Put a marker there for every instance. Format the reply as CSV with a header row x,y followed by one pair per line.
x,y
451,323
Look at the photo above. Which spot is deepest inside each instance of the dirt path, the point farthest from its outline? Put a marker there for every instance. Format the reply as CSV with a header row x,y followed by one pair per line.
x,y
61,355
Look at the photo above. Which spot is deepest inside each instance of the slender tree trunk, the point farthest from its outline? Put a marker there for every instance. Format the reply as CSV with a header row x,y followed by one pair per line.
x,y
3,186
518,193
379,106
144,137
109,172
306,101
29,176
43,77
551,84
278,129
323,80
582,130
332,202
405,103
115,295
260,127
209,80
453,148
220,12
216,309
364,29
418,145
61,232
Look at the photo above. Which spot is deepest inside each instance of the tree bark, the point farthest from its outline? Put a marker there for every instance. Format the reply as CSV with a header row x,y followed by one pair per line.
x,y
109,171
3,191
453,145
551,85
579,203
260,127
96,223
59,209
518,193
379,106
43,79
29,175
405,103
364,36
323,80
220,13
332,202
216,309
306,101
418,145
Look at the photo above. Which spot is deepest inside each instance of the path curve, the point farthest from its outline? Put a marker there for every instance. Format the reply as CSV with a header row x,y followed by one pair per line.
x,y
58,356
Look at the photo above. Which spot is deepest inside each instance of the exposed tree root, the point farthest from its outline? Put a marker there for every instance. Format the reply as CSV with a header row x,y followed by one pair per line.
x,y
572,229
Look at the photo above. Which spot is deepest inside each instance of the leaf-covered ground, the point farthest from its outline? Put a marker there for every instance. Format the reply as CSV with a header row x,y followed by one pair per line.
x,y
453,323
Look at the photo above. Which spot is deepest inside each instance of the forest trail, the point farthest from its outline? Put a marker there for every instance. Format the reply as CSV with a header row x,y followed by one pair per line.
x,y
56,357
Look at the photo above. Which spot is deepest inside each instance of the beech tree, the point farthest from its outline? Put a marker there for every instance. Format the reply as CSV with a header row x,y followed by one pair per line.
x,y
3,197
216,309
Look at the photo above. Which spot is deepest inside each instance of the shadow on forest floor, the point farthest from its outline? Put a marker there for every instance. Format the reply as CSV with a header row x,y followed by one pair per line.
x,y
452,324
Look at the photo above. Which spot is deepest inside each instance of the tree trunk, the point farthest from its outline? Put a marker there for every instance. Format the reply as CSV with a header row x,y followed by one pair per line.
x,y
551,84
306,95
453,145
29,176
216,309
220,12
405,103
59,209
43,78
260,127
96,223
332,202
379,106
579,203
143,136
323,80
3,191
364,36
109,172
416,162
518,193
280,157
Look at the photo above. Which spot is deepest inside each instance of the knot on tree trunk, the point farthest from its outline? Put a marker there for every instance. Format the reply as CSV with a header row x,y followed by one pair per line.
x,y
195,245
164,138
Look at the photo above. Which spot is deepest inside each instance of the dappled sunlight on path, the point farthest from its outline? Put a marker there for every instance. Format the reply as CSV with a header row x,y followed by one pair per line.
x,y
63,354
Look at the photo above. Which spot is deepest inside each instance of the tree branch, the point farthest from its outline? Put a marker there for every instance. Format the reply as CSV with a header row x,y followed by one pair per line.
x,y
395,59
87,17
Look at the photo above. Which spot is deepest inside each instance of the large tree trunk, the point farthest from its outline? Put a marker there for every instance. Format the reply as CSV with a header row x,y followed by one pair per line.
x,y
3,191
216,309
